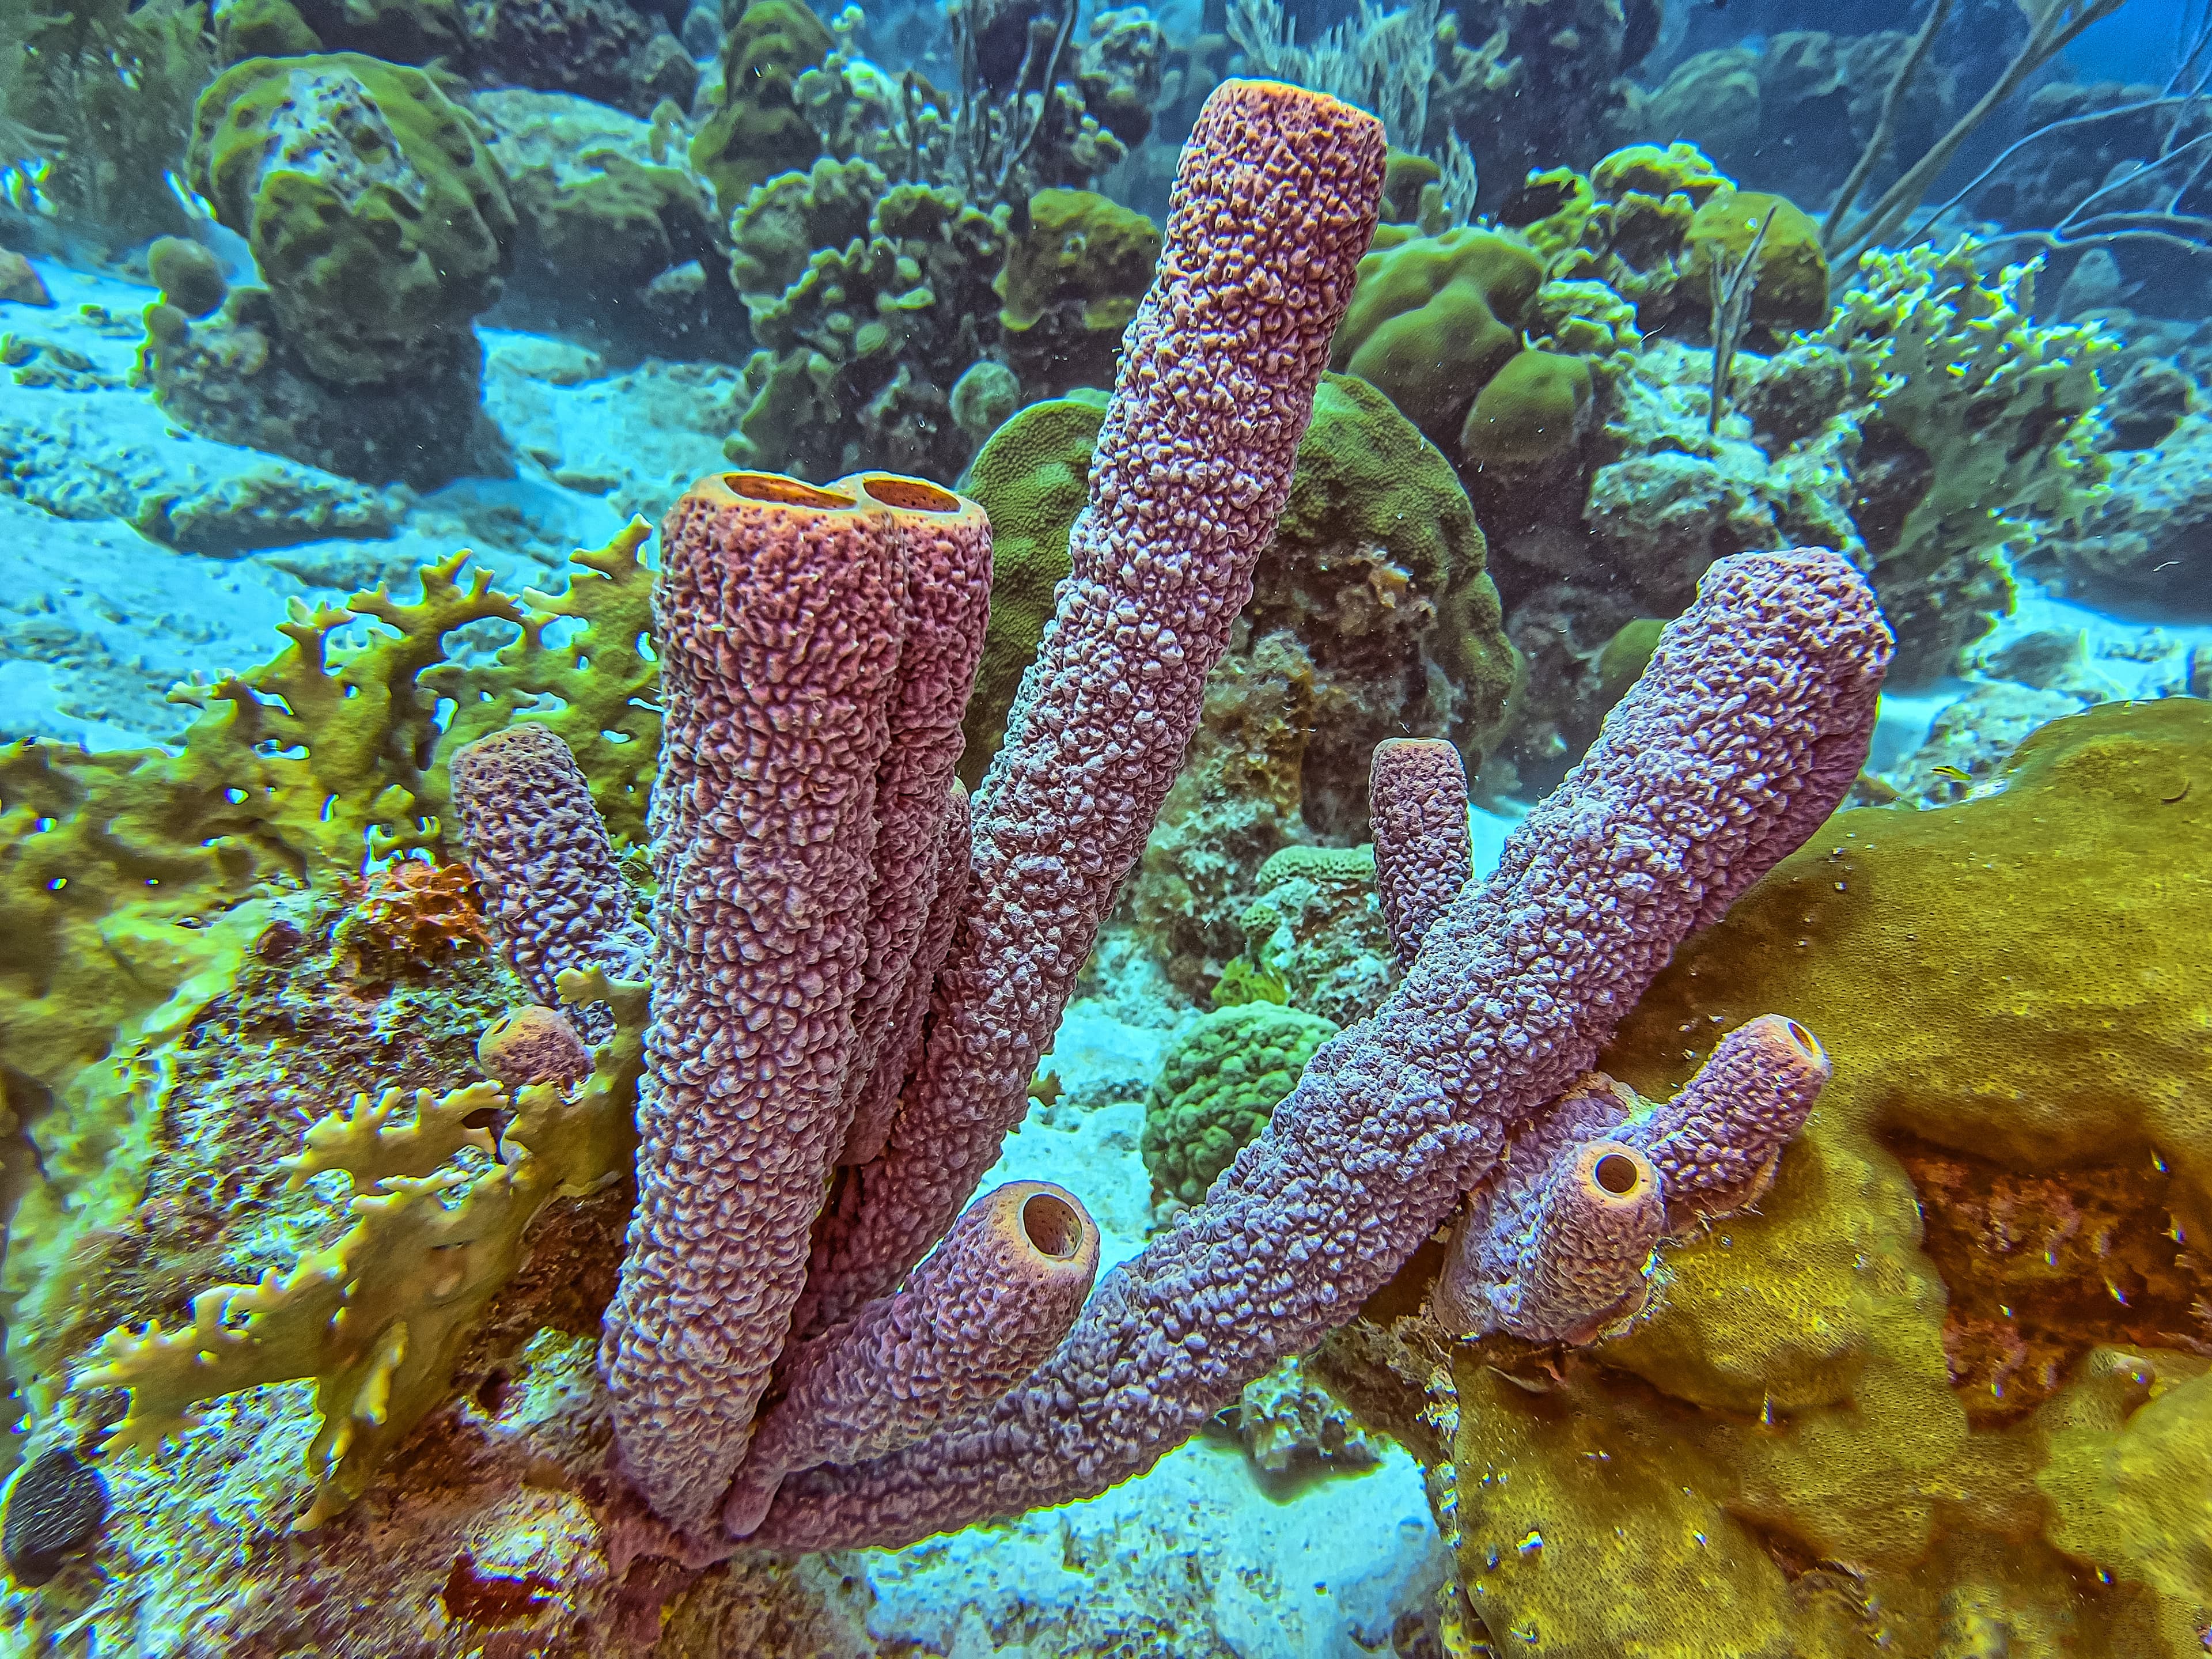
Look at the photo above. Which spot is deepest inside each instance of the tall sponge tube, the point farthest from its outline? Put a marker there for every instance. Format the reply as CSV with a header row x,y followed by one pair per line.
x,y
777,618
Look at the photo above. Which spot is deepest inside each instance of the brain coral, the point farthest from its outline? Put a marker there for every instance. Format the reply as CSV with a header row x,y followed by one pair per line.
x,y
377,216
1217,1087
1952,1382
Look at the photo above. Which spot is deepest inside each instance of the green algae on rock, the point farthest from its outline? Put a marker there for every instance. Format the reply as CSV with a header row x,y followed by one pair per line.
x,y
370,254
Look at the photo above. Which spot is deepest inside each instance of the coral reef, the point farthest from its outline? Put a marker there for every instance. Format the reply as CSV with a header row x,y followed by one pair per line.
x,y
1650,223
861,348
757,129
612,53
1979,433
1371,615
1315,935
104,93
1290,1427
237,377
293,771
379,1318
1434,319
901,242
611,245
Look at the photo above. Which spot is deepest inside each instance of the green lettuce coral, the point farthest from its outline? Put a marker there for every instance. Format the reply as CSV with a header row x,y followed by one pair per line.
x,y
1079,248
867,298
1650,223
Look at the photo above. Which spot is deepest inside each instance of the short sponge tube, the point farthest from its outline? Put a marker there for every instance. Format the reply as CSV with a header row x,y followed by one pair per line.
x,y
987,1308
1564,1266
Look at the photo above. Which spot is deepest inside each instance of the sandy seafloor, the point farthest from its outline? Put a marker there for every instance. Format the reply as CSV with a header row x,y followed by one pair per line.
x,y
97,619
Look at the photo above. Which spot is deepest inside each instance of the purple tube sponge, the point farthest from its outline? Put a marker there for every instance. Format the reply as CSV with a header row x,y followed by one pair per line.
x,y
1716,1144
1554,1247
1741,736
921,841
1416,800
1551,1250
1274,203
777,619
975,1318
552,889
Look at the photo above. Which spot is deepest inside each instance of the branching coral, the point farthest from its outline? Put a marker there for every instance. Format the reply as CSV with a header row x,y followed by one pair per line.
x,y
871,263
379,1318
1979,430
870,334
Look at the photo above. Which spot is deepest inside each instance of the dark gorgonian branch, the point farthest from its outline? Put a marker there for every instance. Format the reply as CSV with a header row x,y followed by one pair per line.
x,y
2053,25
1733,285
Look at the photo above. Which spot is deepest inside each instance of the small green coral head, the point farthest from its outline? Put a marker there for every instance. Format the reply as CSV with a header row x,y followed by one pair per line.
x,y
1535,408
1218,1086
1081,248
375,213
1434,318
